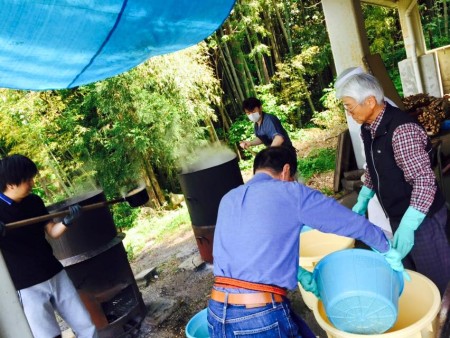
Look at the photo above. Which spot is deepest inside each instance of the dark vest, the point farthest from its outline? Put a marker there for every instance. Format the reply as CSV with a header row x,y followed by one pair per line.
x,y
388,179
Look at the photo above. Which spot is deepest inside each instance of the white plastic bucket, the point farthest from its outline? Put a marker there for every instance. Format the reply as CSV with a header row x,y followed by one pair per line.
x,y
314,245
418,307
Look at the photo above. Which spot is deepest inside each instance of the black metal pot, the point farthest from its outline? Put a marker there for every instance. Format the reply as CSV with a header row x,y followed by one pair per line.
x,y
95,228
203,190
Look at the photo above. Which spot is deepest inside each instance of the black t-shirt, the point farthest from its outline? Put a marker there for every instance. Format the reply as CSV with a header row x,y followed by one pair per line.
x,y
28,255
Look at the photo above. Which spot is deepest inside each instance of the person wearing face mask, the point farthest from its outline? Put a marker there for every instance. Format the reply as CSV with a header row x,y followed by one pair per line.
x,y
268,128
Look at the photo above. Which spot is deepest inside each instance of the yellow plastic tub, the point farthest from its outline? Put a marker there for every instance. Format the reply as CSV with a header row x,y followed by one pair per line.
x,y
314,245
418,307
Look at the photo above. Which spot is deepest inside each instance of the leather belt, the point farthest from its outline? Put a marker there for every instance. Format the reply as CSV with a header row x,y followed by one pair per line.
x,y
249,299
227,282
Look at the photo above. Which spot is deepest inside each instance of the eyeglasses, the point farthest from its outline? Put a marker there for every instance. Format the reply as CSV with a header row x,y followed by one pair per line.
x,y
349,111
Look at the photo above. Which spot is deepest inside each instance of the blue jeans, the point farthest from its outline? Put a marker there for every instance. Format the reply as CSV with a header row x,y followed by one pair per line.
x,y
272,321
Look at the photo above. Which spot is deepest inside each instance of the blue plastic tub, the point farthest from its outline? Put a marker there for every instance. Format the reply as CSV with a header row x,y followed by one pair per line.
x,y
305,228
197,327
359,291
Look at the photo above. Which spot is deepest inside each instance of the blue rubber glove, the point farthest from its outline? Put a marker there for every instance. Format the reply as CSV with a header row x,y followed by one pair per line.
x,y
404,236
74,213
394,258
363,200
306,279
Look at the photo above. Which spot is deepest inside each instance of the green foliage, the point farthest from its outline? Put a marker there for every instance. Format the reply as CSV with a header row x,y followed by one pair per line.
x,y
318,161
110,133
327,191
241,129
271,105
384,34
124,216
435,27
246,164
153,228
333,117
174,224
129,248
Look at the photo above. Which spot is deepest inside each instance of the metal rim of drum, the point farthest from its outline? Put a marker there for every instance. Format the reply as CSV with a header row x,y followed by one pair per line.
x,y
137,197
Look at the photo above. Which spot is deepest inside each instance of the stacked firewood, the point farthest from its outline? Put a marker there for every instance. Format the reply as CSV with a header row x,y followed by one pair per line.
x,y
429,111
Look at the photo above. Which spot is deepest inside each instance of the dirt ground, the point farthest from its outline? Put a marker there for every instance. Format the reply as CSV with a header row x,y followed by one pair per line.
x,y
175,294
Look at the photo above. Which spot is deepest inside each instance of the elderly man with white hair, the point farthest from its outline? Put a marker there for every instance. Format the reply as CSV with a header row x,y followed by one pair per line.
x,y
375,212
399,172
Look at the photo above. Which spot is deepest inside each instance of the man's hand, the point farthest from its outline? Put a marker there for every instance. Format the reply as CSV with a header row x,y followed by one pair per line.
x,y
2,229
363,200
404,236
305,278
74,213
245,144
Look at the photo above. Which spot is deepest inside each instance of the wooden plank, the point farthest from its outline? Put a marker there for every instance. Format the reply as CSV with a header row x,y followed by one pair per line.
x,y
345,159
376,66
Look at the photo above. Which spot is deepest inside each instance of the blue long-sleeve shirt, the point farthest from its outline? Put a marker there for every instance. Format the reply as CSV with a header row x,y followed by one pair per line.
x,y
258,227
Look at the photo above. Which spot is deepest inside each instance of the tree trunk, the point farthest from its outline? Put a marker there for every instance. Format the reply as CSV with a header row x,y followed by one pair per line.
x,y
228,74
284,27
249,76
272,35
240,66
308,94
229,60
226,120
255,60
212,132
156,196
265,68
445,10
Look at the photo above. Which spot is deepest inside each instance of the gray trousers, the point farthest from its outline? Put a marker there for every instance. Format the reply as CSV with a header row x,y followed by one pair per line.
x,y
40,302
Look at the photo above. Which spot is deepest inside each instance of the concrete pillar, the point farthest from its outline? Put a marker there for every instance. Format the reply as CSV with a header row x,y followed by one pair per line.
x,y
13,323
413,72
416,40
349,44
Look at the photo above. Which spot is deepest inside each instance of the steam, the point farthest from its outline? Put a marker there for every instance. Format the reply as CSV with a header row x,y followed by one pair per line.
x,y
131,189
206,157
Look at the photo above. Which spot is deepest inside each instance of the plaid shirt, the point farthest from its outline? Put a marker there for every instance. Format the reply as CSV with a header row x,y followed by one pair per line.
x,y
409,145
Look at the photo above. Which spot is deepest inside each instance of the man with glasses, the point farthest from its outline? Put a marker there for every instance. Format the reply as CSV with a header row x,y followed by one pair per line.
x,y
268,128
399,172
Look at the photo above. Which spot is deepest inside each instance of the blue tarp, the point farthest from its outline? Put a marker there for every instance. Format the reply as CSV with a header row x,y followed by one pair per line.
x,y
54,44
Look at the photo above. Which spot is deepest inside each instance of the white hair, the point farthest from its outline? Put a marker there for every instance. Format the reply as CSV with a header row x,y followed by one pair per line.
x,y
344,76
360,87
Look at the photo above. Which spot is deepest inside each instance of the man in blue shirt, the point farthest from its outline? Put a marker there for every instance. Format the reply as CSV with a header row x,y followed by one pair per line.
x,y
268,128
256,248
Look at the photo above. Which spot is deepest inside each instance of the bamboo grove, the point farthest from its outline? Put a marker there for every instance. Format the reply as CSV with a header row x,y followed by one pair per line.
x,y
139,125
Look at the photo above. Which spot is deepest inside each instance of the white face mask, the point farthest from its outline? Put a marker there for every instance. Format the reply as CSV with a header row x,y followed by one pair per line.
x,y
254,117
